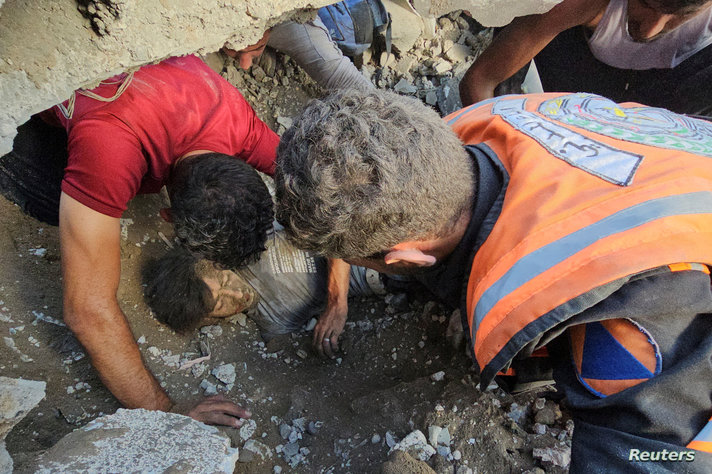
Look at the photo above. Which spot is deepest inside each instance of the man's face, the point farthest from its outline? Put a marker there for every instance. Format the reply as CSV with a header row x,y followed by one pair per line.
x,y
230,292
246,56
649,19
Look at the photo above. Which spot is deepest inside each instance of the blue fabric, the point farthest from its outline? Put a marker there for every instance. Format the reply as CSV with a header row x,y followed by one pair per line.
x,y
604,358
540,260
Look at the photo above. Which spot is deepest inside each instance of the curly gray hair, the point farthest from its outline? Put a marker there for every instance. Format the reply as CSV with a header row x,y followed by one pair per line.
x,y
360,172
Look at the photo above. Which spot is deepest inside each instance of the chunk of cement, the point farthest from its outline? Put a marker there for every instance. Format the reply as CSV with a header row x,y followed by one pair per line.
x,y
141,441
17,398
416,445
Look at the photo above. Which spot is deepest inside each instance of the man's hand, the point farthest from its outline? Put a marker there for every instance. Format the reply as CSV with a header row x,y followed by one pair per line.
x,y
216,410
328,329
331,322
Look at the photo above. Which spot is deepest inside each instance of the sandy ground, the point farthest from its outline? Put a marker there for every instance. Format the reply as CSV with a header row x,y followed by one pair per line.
x,y
380,389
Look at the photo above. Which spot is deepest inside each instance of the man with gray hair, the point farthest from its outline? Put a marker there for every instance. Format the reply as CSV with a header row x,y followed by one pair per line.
x,y
566,221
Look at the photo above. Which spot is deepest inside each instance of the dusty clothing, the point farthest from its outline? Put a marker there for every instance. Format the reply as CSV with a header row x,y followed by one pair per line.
x,y
621,208
310,46
291,286
567,64
126,147
611,44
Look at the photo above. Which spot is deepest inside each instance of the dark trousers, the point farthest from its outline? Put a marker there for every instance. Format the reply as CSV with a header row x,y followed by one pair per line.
x,y
567,65
31,174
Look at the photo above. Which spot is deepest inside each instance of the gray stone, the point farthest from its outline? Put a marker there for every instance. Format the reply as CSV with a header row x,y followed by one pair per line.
x,y
517,412
127,441
241,319
258,448
441,66
555,456
438,376
416,445
225,373
457,53
17,398
208,387
405,87
247,430
290,449
212,331
286,122
258,73
285,430
6,463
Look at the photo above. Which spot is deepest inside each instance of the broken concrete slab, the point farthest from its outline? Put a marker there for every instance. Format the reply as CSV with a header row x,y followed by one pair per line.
x,y
17,398
486,12
43,62
140,441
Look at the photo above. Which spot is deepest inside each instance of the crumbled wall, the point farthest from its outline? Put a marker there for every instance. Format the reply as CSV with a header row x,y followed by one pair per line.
x,y
48,48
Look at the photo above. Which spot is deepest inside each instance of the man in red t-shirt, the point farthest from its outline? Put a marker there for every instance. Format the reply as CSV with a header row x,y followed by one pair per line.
x,y
179,124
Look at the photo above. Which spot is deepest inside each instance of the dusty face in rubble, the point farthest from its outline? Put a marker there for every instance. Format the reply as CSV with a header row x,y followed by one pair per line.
x,y
230,293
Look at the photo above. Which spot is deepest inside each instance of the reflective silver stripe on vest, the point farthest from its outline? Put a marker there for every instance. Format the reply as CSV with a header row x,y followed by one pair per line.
x,y
550,255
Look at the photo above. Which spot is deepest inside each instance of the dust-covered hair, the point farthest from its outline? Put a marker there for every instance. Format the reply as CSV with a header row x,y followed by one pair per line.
x,y
222,210
361,171
175,290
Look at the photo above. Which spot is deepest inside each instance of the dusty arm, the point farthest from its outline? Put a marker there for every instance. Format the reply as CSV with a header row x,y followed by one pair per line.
x,y
517,44
91,266
332,320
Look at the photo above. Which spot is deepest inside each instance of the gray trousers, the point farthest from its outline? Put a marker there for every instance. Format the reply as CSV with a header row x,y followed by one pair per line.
x,y
310,46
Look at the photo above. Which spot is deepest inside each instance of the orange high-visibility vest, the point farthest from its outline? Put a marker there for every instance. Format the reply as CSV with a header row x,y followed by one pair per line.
x,y
595,192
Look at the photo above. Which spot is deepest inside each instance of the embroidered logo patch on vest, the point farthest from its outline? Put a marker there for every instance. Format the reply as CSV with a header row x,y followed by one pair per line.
x,y
596,158
643,125
613,355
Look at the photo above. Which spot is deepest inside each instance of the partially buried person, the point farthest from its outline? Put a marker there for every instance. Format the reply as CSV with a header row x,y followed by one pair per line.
x,y
655,52
564,221
176,124
281,291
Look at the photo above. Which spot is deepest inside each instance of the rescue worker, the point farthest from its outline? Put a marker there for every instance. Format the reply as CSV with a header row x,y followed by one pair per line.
x,y
565,221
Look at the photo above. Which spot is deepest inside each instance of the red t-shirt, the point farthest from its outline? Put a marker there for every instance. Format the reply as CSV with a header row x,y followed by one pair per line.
x,y
125,147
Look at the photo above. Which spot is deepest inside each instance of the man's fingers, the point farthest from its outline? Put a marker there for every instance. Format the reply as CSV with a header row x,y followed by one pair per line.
x,y
228,408
218,418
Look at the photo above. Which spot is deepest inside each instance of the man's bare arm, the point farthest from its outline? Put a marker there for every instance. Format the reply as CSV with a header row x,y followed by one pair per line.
x,y
332,320
91,266
517,44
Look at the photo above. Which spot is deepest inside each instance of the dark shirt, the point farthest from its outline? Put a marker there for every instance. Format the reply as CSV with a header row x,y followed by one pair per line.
x,y
448,278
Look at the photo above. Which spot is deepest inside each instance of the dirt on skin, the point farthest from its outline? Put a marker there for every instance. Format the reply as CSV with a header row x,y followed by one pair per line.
x,y
396,373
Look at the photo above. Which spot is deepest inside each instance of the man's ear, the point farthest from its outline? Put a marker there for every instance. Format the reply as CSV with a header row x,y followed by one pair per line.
x,y
414,256
165,212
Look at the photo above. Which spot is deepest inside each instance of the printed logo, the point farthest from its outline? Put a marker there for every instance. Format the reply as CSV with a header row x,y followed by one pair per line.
x,y
657,456
643,125
596,158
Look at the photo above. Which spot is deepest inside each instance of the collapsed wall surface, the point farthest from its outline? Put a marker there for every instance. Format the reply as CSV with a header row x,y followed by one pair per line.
x,y
49,48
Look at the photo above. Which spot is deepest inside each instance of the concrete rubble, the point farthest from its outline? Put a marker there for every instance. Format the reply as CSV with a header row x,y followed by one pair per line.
x,y
17,398
126,442
91,40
